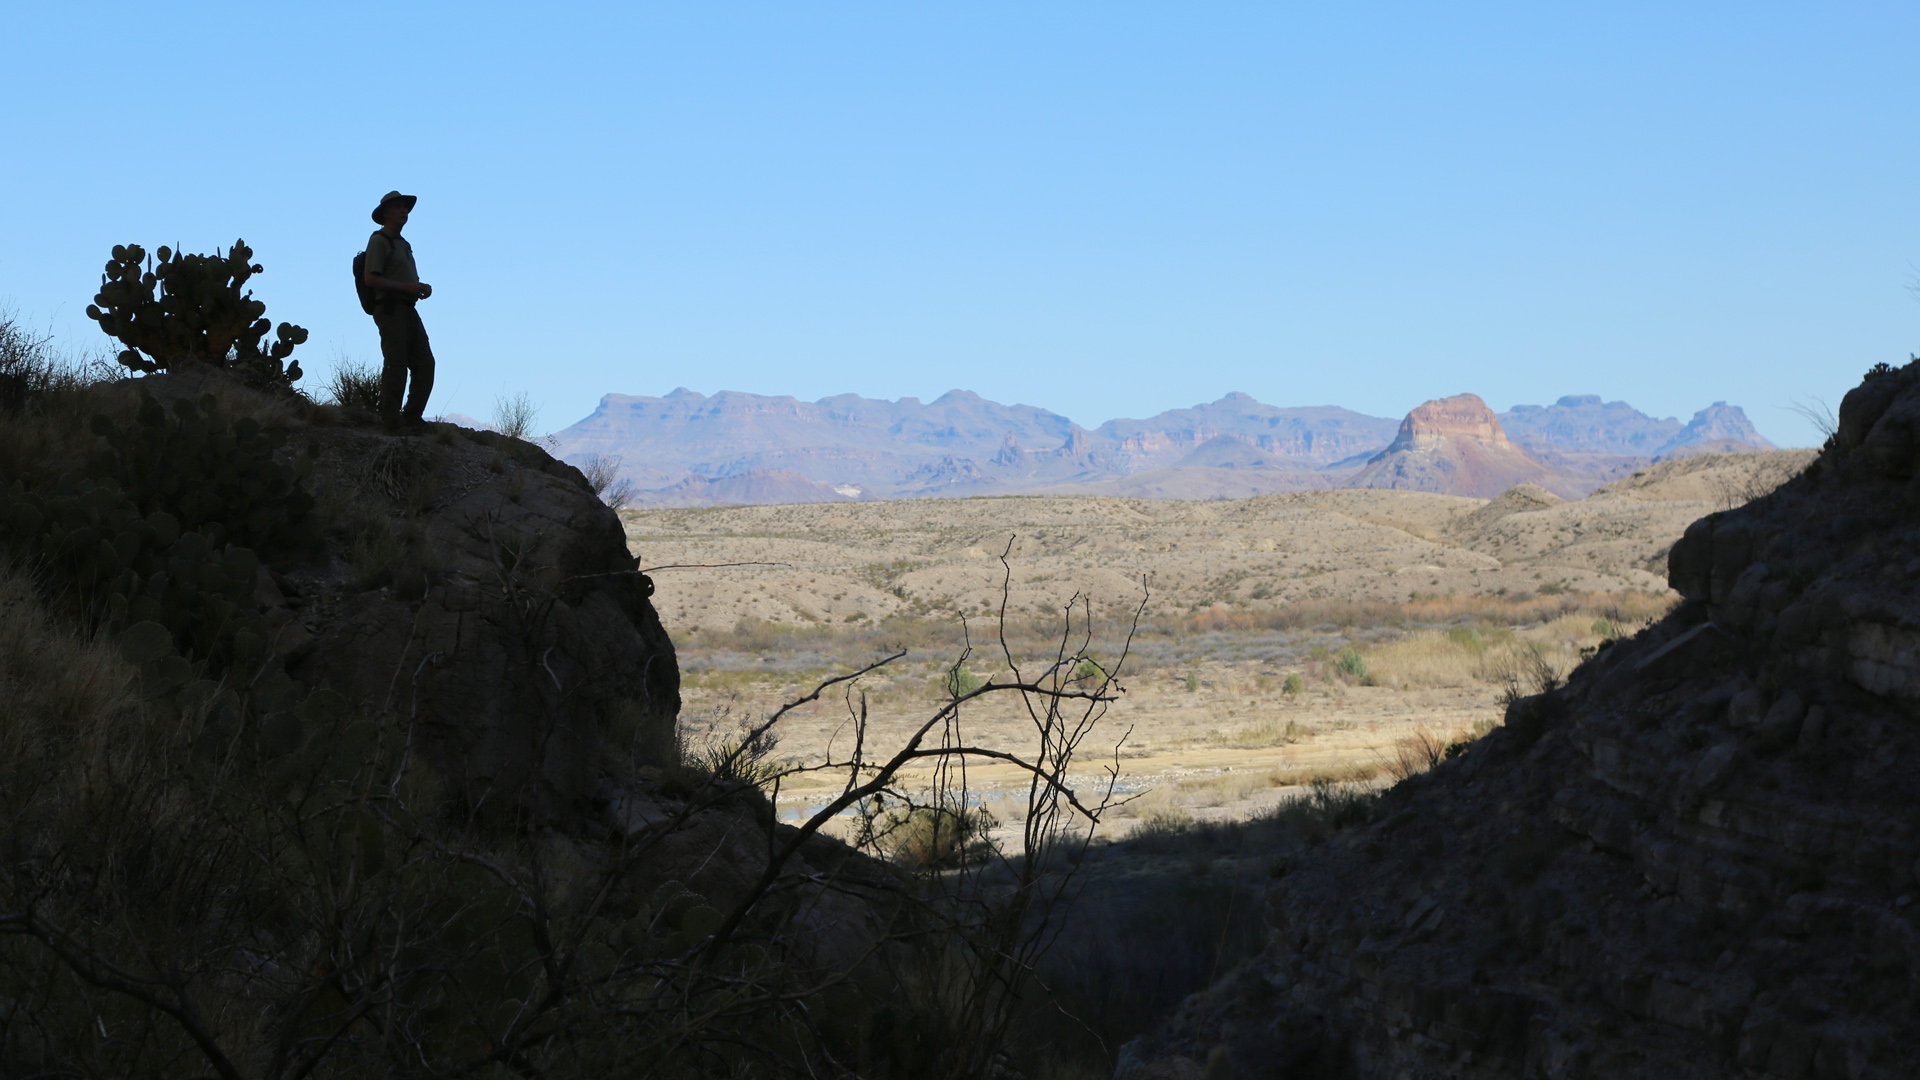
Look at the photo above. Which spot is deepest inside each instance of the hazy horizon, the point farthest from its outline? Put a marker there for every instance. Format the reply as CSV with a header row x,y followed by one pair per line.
x,y
1094,425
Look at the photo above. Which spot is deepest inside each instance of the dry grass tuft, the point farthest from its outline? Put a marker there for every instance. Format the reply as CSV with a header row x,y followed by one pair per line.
x,y
353,385
1355,771
1261,735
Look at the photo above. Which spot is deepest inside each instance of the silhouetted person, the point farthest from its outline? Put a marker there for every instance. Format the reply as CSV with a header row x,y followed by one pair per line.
x,y
396,285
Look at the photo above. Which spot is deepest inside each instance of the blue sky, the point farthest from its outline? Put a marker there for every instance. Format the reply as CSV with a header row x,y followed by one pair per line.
x,y
1104,209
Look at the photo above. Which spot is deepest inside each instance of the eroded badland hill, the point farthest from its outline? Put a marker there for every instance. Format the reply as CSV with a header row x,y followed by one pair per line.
x,y
834,565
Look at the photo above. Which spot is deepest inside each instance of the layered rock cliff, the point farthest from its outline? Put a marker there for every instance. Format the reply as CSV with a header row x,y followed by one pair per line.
x,y
1454,445
1699,858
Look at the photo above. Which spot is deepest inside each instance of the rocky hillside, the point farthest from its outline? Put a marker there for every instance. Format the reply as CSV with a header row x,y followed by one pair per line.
x,y
311,728
1696,859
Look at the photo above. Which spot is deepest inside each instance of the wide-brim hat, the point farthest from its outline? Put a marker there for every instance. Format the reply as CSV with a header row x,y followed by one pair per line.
x,y
393,197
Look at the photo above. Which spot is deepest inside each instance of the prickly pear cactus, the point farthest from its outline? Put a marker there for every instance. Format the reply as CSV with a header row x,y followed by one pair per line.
x,y
178,307
217,477
163,546
136,570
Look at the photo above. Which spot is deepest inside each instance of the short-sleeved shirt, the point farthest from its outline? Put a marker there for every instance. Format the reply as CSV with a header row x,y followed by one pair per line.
x,y
392,258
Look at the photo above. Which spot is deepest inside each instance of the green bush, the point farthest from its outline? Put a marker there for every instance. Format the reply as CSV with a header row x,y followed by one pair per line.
x,y
1351,664
1294,684
960,682
1192,681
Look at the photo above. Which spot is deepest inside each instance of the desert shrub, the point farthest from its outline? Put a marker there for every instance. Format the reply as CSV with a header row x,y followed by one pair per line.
x,y
1522,669
1351,664
959,682
935,837
600,470
33,373
1416,753
515,416
354,385
744,757
26,368
1192,682
1293,685
603,476
179,308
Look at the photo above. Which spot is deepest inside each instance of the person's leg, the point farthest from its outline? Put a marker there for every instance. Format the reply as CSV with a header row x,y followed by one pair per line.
x,y
420,367
396,336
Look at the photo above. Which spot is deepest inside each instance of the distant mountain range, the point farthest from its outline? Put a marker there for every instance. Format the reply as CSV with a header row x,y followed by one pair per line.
x,y
689,449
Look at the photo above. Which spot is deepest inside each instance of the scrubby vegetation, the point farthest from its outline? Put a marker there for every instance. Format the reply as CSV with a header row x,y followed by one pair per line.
x,y
210,868
354,385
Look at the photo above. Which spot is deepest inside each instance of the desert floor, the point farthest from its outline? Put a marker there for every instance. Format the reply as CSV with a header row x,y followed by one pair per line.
x,y
1403,619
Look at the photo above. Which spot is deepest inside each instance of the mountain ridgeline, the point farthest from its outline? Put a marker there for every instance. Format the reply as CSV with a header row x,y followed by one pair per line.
x,y
735,448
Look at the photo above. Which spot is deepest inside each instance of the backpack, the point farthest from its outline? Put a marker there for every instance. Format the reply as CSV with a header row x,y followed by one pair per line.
x,y
360,283
367,296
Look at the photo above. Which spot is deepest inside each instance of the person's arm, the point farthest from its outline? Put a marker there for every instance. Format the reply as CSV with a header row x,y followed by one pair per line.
x,y
418,289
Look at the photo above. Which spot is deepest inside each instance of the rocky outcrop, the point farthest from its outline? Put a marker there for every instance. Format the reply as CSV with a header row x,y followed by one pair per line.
x,y
1699,858
1454,446
475,588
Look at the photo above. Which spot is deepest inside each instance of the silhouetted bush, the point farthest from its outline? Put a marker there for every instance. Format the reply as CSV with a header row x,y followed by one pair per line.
x,y
354,385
